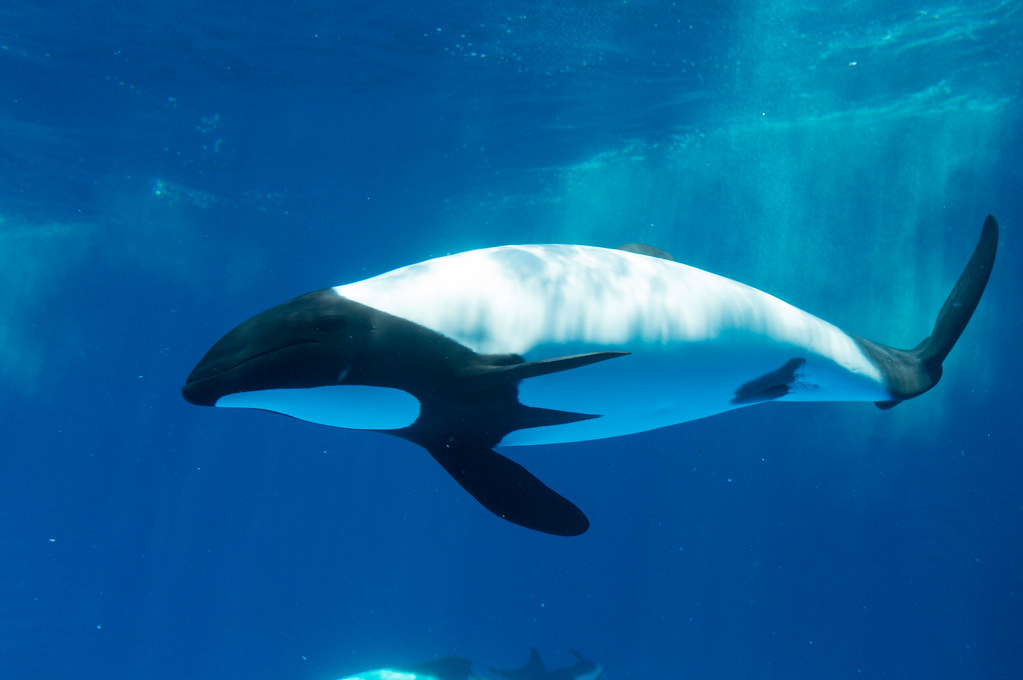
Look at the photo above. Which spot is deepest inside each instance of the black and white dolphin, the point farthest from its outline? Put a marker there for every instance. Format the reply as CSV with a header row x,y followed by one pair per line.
x,y
541,344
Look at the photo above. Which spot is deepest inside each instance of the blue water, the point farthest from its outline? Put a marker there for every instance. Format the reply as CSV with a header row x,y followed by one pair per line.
x,y
168,169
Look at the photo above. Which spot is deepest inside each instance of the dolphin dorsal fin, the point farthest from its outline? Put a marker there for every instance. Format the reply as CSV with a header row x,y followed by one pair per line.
x,y
644,249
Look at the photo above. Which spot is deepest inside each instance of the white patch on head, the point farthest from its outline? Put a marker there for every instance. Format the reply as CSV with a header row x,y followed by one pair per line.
x,y
356,407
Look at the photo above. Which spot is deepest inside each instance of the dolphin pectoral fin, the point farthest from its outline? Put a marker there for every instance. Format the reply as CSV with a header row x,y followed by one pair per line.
x,y
508,490
770,386
490,374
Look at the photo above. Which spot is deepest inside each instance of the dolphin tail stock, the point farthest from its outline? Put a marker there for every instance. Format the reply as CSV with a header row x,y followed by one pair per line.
x,y
909,373
508,490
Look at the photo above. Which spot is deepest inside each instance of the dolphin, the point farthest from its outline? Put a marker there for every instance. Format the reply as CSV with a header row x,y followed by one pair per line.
x,y
542,344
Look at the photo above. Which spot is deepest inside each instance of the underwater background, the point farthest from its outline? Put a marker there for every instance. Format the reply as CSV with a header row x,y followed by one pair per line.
x,y
168,169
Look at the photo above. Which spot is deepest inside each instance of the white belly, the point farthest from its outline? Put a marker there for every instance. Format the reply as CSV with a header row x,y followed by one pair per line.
x,y
694,337
651,389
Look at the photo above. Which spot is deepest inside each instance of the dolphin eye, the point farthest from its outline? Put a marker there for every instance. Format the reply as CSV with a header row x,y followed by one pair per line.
x,y
330,324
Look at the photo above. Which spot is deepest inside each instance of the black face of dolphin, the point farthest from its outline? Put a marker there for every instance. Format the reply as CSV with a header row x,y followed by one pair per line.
x,y
468,401
310,341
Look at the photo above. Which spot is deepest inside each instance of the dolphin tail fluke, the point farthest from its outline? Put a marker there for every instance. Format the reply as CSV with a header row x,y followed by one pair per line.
x,y
508,490
959,306
912,372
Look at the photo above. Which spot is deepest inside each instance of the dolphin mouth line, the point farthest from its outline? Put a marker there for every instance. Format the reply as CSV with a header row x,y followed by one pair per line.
x,y
247,360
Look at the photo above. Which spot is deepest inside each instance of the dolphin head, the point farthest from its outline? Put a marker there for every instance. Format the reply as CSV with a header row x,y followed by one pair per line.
x,y
314,340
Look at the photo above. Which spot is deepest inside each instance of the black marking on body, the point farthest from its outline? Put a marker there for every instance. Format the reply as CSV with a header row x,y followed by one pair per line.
x,y
468,401
771,385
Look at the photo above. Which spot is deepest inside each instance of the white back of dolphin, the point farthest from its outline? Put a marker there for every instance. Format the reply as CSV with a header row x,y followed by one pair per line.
x,y
693,338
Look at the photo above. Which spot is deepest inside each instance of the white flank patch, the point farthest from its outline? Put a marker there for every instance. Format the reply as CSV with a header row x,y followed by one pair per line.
x,y
357,407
